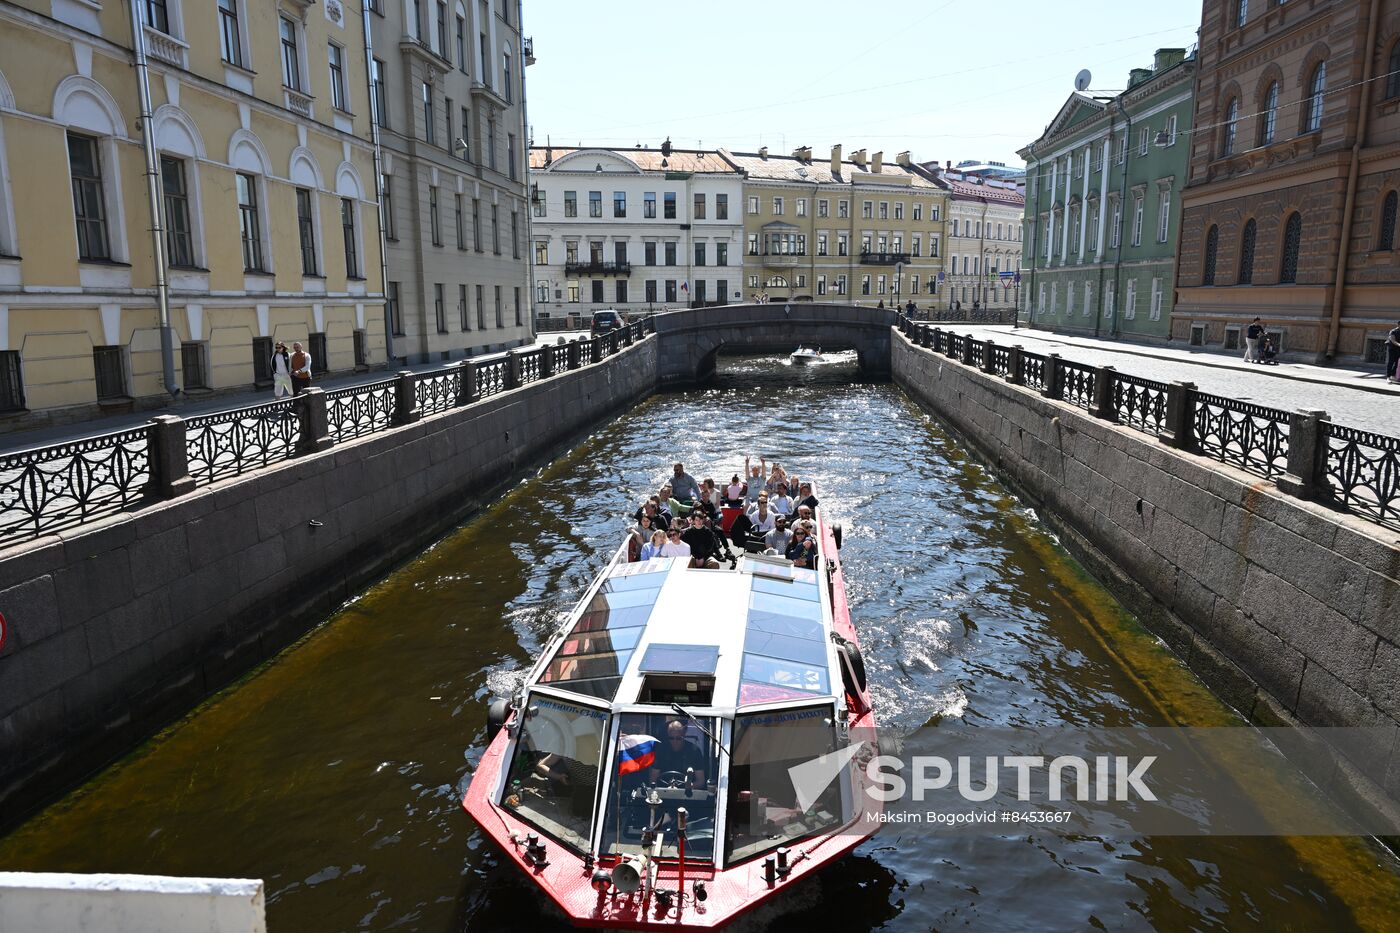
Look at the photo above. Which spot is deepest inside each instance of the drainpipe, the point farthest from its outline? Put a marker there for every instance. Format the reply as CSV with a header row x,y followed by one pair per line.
x,y
1334,326
1123,208
1035,234
529,203
143,90
378,187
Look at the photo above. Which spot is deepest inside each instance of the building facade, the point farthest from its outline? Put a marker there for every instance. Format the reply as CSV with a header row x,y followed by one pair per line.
x,y
857,229
1290,208
638,230
1103,204
449,88
260,124
983,237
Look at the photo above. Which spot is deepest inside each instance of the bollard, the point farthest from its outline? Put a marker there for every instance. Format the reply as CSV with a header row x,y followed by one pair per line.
x,y
989,364
406,398
967,350
1104,408
573,354
1179,429
546,362
512,370
315,426
1306,476
170,465
936,339
467,391
1052,377
1014,375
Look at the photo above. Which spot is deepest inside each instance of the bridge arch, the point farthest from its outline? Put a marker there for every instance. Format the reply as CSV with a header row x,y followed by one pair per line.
x,y
688,341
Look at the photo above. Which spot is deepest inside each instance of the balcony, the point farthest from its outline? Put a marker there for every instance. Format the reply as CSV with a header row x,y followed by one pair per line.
x,y
597,268
297,102
883,259
782,260
165,47
528,45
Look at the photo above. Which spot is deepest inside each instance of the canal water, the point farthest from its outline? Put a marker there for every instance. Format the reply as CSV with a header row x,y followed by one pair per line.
x,y
334,773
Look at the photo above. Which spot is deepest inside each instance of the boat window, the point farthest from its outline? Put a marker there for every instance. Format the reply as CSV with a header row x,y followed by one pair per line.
x,y
785,652
784,587
785,605
680,659
591,658
662,762
762,809
553,777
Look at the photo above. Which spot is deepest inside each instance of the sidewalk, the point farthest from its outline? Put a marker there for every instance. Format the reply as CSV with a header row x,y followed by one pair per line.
x,y
1351,396
199,404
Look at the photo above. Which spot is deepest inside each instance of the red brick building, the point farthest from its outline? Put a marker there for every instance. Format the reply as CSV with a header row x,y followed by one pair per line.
x,y
1294,175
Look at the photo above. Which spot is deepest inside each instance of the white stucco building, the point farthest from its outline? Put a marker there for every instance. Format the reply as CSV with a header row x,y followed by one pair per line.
x,y
983,240
634,229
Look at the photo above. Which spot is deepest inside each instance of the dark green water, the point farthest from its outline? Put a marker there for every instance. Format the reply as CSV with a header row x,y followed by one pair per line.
x,y
334,773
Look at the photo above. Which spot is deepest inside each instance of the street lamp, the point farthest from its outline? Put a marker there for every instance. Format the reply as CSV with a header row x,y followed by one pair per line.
x,y
898,277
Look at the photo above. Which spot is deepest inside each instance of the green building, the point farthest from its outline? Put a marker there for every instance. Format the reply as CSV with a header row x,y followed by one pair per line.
x,y
1103,206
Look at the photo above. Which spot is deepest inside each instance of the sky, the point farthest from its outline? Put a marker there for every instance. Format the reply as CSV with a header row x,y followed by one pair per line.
x,y
932,77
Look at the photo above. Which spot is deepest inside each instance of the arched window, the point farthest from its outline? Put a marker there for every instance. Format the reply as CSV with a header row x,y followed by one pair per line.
x,y
1247,255
1392,81
1292,237
1312,110
1232,119
1268,114
1212,247
1387,237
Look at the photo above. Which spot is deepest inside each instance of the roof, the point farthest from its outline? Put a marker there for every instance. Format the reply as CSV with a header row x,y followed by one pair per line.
x,y
648,160
960,188
818,171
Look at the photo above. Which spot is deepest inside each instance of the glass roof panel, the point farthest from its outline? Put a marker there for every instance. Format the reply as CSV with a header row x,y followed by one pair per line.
x,y
785,605
624,599
782,587
780,624
680,659
785,647
641,581
585,667
595,642
789,675
618,618
642,568
604,688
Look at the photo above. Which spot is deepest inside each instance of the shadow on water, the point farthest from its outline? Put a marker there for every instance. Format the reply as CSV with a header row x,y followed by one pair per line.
x,y
334,773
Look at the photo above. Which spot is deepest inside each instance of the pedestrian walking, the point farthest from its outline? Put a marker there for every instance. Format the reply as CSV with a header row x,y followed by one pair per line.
x,y
1252,333
301,369
1392,353
281,372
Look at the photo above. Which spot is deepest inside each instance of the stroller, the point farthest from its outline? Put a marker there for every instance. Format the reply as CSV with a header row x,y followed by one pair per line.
x,y
1268,354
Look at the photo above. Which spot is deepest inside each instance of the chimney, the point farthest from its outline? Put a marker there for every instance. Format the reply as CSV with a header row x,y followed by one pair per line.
x,y
763,152
948,165
1138,75
836,159
803,153
858,157
877,162
903,159
1167,58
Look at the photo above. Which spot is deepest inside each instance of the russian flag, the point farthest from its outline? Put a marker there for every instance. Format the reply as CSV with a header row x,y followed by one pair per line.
x,y
638,752
685,286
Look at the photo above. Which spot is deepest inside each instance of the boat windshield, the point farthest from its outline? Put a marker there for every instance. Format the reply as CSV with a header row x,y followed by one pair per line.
x,y
763,811
660,764
553,777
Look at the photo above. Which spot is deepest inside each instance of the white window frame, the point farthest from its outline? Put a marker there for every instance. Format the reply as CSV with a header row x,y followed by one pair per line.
x,y
1137,219
1164,215
1155,308
1130,301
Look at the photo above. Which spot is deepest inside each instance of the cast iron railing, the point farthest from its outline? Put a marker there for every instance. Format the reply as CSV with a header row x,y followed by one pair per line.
x,y
1304,453
59,486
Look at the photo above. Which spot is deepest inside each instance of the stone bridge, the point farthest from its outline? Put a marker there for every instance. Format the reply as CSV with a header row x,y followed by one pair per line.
x,y
689,340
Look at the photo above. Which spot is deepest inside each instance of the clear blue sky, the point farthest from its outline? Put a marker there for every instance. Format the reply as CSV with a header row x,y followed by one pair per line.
x,y
934,77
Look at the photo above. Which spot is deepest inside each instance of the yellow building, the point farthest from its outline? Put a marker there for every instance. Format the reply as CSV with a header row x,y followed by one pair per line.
x,y
260,118
856,229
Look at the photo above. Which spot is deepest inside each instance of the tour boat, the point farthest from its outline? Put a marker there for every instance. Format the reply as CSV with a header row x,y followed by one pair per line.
x,y
689,744
805,355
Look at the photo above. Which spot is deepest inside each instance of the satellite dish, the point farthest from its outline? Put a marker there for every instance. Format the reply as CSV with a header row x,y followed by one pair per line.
x,y
1081,80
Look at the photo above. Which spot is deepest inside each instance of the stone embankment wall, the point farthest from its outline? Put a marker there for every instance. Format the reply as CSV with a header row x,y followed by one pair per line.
x,y
123,625
1290,612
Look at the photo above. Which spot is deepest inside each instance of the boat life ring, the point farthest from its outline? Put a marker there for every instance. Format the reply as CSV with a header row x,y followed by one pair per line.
x,y
496,715
836,534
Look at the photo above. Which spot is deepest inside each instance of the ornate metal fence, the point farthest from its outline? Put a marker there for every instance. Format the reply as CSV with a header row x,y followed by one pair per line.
x,y
1033,371
559,357
492,376
530,365
1251,437
67,484
233,442
360,410
1140,403
1077,384
438,392
1001,360
1363,471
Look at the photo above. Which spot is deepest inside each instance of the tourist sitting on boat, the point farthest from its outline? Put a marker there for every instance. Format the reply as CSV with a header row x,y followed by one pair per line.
x,y
653,547
734,492
779,475
777,540
804,495
645,526
756,482
710,493
704,548
780,501
654,510
674,546
677,508
683,485
802,550
804,515
703,507
761,515
678,755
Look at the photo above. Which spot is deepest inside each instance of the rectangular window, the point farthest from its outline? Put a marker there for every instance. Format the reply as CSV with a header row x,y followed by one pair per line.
x,y
595,204
11,382
933,246
1109,297
1122,148
434,219
570,203
386,195
620,253
1154,311
721,208
570,253
865,284
515,234
914,284
1171,130
155,15
447,112
463,306
541,208
462,63
250,223
179,238
753,204
801,207
460,221
109,370
510,155
698,210
481,307
347,227
670,290
262,361
476,224
699,254
843,208
336,56
1137,221
429,131
395,309
821,285
649,250
668,205
500,321
1116,230
651,291
193,372
360,346
1130,300
620,291
1143,135
439,308
918,245
491,143
670,254
542,253
721,254
320,358
843,244
230,40
619,203
841,284
867,209
291,60
442,29
1164,207
753,244
884,210
506,79
496,229
918,212
380,102
821,243
89,206
649,204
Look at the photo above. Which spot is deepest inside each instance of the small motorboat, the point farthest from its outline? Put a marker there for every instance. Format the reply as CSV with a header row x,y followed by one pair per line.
x,y
805,355
653,769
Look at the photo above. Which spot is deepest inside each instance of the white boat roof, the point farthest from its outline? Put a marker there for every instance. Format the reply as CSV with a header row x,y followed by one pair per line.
x,y
763,632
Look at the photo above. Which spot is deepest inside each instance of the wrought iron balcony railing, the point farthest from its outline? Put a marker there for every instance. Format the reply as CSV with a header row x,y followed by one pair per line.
x,y
590,267
882,259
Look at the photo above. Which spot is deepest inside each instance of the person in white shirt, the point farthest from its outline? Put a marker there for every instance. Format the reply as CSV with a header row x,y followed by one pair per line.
x,y
780,502
655,546
761,515
674,546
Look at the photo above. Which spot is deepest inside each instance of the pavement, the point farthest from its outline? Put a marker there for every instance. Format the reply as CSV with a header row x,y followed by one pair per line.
x,y
1352,395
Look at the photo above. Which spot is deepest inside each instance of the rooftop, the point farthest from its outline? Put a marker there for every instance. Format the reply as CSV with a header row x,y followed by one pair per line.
x,y
648,160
